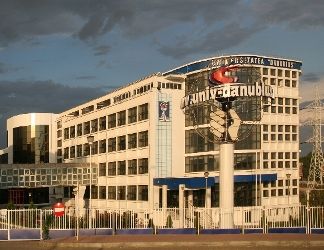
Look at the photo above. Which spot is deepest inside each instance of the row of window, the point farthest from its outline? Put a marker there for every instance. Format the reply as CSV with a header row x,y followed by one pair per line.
x,y
280,73
133,115
135,140
131,192
280,133
134,167
280,188
282,106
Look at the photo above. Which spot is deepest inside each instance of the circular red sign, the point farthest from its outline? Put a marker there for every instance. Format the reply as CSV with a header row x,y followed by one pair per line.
x,y
58,209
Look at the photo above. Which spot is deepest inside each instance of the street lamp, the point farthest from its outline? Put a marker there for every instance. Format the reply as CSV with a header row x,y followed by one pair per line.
x,y
288,178
206,174
90,139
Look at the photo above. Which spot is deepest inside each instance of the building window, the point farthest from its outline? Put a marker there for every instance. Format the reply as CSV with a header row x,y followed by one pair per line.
x,y
102,169
112,120
121,116
245,161
143,139
111,193
86,128
142,192
66,153
59,133
94,125
122,142
121,192
198,143
72,152
66,133
143,166
72,131
112,144
143,112
132,167
102,146
94,148
86,149
132,115
132,141
94,192
79,130
121,168
102,123
131,193
202,163
79,150
59,143
112,168
59,152
102,192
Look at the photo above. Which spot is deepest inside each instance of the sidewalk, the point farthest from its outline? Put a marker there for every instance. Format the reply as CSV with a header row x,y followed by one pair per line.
x,y
155,241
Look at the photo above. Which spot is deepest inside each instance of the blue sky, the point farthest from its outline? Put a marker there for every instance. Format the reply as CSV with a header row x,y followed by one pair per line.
x,y
80,49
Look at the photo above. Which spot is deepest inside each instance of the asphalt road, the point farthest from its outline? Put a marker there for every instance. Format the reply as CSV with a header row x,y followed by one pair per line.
x,y
163,242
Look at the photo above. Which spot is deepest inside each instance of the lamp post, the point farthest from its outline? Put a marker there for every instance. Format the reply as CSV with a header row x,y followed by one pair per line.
x,y
90,139
288,178
206,174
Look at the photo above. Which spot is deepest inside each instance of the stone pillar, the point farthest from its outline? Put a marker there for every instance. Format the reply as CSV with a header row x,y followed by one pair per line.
x,y
190,198
226,185
181,205
164,196
156,197
208,197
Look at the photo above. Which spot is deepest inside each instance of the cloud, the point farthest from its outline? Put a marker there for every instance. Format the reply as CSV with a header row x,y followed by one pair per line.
x,y
85,77
5,68
222,38
88,20
311,77
298,14
101,50
40,96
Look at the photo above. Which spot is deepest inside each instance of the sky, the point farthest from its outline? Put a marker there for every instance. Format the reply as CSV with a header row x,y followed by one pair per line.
x,y
56,54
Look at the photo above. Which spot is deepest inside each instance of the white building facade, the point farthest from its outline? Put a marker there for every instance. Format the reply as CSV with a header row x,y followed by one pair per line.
x,y
146,152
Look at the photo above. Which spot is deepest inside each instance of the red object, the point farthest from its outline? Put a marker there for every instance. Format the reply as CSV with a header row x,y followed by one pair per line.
x,y
219,75
59,209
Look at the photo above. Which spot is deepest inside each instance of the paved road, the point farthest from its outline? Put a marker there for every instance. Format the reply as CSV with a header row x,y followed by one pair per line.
x,y
163,242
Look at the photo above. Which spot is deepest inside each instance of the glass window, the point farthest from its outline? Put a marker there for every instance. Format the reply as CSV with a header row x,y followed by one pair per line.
x,y
66,153
132,167
79,150
143,166
121,192
112,168
132,141
72,151
94,125
112,144
102,146
102,123
202,163
131,192
132,115
121,168
72,131
86,149
111,193
143,192
143,112
143,139
122,142
102,192
66,133
121,116
79,129
86,128
102,169
112,120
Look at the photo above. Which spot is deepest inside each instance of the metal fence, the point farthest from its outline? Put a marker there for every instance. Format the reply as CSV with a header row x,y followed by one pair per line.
x,y
244,218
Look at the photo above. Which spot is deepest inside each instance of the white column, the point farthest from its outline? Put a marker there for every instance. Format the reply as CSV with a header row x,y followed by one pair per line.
x,y
190,198
156,197
208,196
181,204
226,185
164,196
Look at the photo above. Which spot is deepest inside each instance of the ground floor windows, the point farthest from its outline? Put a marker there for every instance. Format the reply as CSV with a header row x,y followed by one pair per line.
x,y
131,192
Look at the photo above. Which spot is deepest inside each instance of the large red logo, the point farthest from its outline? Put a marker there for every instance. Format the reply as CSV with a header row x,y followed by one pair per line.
x,y
218,76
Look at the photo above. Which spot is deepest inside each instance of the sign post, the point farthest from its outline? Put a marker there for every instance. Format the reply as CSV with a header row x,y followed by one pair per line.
x,y
58,209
